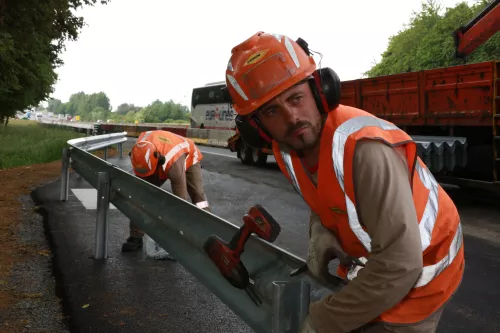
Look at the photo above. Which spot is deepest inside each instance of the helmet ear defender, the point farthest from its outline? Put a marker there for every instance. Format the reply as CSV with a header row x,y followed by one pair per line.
x,y
325,85
160,157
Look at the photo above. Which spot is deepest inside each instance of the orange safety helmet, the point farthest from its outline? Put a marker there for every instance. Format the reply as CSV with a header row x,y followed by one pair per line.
x,y
144,158
264,66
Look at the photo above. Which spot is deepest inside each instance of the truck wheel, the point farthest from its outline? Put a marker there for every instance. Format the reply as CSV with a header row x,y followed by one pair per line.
x,y
261,159
246,154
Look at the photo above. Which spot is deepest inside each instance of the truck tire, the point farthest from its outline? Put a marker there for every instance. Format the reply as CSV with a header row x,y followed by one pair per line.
x,y
246,153
261,159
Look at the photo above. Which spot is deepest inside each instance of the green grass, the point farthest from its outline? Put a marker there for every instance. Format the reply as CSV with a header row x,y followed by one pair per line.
x,y
25,142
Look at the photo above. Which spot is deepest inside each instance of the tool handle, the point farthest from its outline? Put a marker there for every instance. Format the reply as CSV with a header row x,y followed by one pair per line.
x,y
239,239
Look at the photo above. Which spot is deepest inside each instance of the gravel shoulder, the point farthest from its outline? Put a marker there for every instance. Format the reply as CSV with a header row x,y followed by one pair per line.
x,y
28,295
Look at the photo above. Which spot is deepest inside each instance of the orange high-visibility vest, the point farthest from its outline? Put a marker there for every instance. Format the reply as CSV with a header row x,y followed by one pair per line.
x,y
172,146
333,200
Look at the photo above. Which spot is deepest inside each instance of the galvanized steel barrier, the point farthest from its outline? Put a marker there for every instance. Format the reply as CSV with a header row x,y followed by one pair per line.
x,y
181,229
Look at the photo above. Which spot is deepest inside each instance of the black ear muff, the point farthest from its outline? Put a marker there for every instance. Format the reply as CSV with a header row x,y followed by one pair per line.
x,y
326,88
251,132
160,157
325,84
331,87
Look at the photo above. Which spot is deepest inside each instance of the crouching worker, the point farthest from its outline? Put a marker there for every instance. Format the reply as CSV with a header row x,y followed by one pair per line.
x,y
161,155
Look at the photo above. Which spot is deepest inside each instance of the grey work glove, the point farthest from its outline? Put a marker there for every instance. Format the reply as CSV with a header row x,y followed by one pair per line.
x,y
324,247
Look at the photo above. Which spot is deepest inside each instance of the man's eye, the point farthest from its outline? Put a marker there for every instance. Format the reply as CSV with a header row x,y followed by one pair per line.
x,y
296,99
270,111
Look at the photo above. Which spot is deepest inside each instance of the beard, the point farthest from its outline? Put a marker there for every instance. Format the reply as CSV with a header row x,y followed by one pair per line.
x,y
306,141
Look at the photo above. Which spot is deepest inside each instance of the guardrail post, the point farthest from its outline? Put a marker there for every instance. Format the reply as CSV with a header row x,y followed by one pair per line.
x,y
290,305
102,221
120,150
106,153
64,175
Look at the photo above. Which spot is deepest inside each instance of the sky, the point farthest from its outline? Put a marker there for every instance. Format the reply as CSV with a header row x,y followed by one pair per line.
x,y
139,51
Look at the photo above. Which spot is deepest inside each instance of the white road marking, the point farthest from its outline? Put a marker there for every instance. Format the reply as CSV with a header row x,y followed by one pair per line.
x,y
225,155
88,197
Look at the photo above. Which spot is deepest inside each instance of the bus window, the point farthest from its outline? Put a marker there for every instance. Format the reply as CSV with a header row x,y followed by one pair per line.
x,y
209,108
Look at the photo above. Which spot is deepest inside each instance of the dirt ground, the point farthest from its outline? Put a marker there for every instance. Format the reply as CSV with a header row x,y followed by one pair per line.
x,y
23,255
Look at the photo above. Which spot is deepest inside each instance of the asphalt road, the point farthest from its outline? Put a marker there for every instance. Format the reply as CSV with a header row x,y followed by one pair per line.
x,y
131,293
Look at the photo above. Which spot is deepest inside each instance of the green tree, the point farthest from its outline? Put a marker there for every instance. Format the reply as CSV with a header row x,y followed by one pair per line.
x,y
139,116
88,107
99,113
33,34
126,107
99,99
53,104
427,41
129,117
91,107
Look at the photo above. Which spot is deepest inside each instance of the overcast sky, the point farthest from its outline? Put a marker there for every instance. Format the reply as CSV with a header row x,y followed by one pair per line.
x,y
139,51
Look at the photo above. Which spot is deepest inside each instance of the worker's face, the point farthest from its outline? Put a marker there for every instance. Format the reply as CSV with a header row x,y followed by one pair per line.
x,y
155,177
292,118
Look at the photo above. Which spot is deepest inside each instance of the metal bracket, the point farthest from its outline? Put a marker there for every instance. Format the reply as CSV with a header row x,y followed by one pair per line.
x,y
65,174
290,305
120,150
102,220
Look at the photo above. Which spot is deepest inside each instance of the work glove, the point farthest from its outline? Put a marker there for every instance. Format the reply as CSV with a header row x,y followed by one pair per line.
x,y
324,247
306,327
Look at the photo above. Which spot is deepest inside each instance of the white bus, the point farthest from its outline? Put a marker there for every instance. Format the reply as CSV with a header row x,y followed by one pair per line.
x,y
209,108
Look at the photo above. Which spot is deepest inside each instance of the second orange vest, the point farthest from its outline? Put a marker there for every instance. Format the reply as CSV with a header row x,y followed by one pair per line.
x,y
172,146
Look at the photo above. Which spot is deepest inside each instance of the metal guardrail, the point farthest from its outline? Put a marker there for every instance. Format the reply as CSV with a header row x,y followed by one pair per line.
x,y
181,229
97,142
67,123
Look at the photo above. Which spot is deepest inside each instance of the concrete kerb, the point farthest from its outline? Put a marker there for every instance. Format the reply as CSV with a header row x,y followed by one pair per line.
x,y
213,138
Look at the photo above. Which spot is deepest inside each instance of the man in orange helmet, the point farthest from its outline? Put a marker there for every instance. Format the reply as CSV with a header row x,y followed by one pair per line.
x,y
161,155
374,204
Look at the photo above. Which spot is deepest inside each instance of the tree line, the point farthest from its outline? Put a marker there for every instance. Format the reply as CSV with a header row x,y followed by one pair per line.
x,y
426,42
97,106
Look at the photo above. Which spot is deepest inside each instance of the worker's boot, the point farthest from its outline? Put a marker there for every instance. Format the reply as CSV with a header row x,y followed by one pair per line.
x,y
132,244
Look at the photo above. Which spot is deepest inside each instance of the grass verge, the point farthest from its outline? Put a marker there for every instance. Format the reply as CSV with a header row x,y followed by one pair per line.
x,y
29,157
25,142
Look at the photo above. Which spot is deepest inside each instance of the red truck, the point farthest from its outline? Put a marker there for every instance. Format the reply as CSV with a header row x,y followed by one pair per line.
x,y
453,113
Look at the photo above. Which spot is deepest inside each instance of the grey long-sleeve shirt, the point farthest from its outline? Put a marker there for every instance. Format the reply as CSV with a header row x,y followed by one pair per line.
x,y
385,207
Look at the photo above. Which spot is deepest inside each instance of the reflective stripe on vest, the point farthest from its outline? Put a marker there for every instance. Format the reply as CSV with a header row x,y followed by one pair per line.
x,y
428,219
193,155
172,152
289,168
146,135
